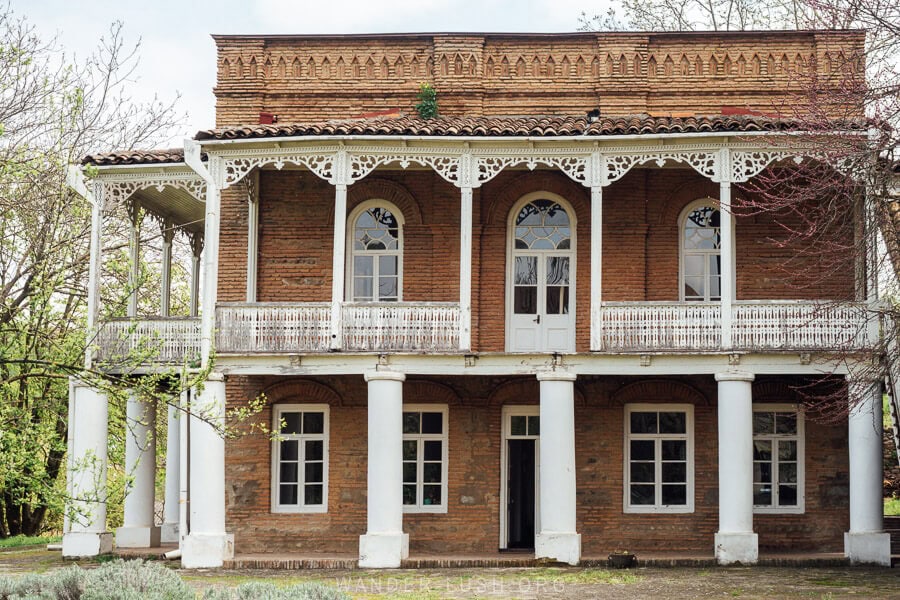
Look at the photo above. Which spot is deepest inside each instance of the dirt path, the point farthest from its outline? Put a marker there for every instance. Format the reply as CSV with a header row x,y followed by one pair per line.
x,y
543,583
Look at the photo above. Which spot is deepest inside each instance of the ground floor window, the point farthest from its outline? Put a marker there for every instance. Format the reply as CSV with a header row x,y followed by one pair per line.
x,y
659,458
778,458
425,458
300,458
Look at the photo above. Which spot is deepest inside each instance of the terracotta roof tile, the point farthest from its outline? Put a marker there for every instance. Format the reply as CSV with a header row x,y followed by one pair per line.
x,y
135,157
533,126
548,126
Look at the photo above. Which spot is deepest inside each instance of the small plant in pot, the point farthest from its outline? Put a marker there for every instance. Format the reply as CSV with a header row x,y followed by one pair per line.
x,y
621,559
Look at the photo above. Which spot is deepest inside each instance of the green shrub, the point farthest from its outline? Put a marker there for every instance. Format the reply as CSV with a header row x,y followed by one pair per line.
x,y
135,580
266,591
116,580
66,584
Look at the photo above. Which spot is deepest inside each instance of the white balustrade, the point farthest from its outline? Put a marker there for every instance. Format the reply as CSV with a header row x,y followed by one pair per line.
x,y
799,325
756,325
282,327
427,326
273,327
149,341
651,326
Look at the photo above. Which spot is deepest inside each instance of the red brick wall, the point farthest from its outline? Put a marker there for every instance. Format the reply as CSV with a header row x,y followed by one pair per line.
x,y
640,241
305,78
472,521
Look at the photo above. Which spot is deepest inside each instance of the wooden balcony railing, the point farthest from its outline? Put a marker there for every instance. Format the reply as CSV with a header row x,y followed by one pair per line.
x,y
800,325
387,326
143,341
434,327
756,325
652,326
273,327
404,326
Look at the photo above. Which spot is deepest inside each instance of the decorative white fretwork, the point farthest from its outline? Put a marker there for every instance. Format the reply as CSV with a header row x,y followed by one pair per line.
x,y
236,168
702,161
117,189
745,165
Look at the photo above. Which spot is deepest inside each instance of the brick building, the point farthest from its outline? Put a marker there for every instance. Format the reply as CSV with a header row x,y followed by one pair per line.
x,y
532,323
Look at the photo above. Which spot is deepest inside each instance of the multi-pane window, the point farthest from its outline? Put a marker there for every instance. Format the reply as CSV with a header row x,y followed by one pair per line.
x,y
300,458
659,461
777,458
541,226
425,458
376,251
701,259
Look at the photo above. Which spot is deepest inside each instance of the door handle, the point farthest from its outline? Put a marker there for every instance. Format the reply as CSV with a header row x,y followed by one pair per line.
x,y
538,319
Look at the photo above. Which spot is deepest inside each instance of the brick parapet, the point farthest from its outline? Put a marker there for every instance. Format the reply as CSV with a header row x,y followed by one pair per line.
x,y
307,78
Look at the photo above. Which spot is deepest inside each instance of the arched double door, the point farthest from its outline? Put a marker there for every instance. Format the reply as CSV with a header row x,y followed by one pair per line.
x,y
540,277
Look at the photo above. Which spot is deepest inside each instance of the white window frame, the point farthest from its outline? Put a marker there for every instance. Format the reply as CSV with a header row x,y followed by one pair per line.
x,y
444,438
682,220
800,438
688,409
352,252
301,507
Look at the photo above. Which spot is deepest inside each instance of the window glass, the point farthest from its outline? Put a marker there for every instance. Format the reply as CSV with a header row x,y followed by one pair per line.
x,y
777,459
376,250
701,268
659,465
301,458
424,456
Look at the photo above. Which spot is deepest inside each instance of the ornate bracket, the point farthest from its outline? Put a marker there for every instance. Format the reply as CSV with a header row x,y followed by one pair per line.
x,y
119,188
618,164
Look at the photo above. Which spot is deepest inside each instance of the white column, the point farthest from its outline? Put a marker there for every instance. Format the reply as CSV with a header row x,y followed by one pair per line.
x,y
252,235
171,511
88,417
735,540
465,269
557,539
866,542
93,291
165,279
138,529
384,545
207,545
196,250
134,272
596,264
337,264
727,260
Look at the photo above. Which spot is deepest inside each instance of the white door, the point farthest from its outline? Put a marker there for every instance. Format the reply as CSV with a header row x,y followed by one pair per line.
x,y
541,315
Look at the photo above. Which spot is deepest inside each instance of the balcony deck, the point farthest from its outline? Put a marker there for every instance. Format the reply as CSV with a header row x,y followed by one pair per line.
x,y
625,327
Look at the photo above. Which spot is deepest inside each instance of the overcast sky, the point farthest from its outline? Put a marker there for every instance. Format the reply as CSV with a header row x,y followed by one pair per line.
x,y
178,55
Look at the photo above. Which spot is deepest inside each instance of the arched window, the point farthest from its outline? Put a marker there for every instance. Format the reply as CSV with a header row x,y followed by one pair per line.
x,y
701,260
376,253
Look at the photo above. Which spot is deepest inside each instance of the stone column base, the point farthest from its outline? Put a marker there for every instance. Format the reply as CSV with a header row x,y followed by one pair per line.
x,y
561,547
137,537
168,533
740,548
77,544
869,547
206,550
383,550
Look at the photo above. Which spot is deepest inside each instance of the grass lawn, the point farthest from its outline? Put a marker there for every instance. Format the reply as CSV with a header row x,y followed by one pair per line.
x,y
892,506
28,540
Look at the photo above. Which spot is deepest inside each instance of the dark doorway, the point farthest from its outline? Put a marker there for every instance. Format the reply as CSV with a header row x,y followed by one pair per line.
x,y
520,494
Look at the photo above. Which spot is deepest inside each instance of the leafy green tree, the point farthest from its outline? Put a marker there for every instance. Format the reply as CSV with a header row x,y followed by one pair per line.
x,y
52,112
